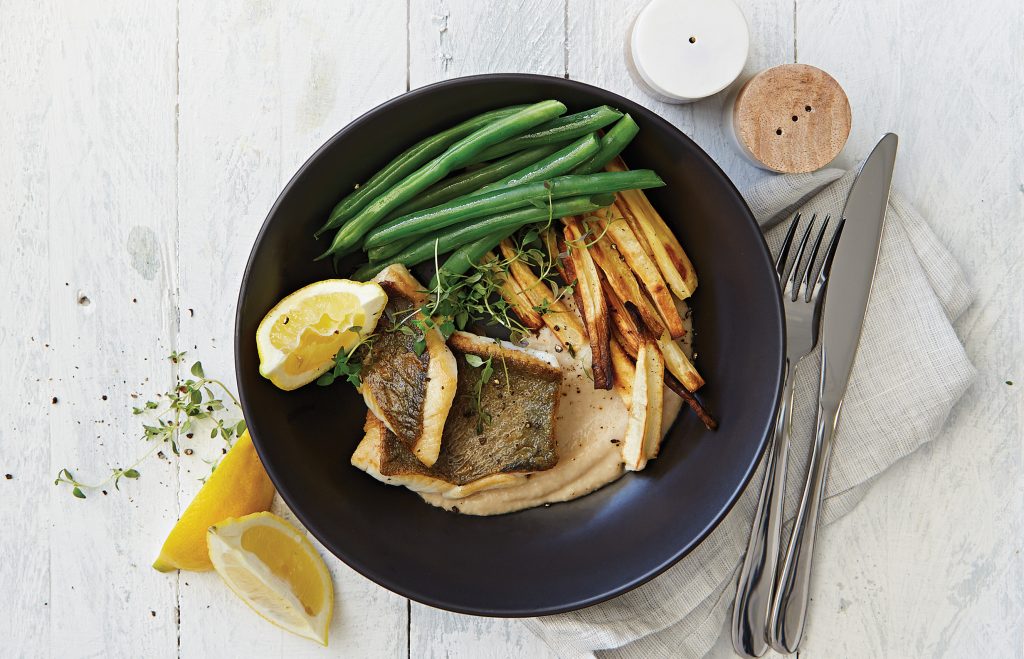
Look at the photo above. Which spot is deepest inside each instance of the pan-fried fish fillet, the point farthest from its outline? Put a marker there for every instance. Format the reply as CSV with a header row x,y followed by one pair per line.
x,y
411,394
516,439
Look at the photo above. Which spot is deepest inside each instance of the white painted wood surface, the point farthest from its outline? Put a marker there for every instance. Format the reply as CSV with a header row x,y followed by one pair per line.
x,y
141,145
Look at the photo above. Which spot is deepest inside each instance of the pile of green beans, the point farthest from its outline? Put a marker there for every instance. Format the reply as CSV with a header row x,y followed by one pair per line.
x,y
465,189
459,154
406,163
490,202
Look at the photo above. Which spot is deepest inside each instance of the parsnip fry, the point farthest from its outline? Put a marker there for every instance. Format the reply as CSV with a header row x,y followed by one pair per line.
x,y
627,331
629,247
553,243
691,400
590,302
621,280
625,371
643,429
679,365
665,249
512,293
559,318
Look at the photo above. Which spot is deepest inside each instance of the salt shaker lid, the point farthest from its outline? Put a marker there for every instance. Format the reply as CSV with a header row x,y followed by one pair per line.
x,y
685,50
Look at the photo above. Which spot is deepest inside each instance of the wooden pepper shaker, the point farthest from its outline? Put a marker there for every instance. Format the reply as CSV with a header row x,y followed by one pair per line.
x,y
790,119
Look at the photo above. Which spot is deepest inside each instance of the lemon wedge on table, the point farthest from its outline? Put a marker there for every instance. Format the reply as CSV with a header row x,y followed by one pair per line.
x,y
274,568
298,339
238,486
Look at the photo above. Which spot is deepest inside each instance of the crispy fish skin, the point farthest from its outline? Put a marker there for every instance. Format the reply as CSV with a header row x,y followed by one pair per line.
x,y
367,457
514,442
412,394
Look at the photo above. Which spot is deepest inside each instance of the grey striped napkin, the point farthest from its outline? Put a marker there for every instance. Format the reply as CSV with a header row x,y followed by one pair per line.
x,y
910,370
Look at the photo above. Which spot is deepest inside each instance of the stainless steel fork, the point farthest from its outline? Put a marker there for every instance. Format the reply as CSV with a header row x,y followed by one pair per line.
x,y
802,303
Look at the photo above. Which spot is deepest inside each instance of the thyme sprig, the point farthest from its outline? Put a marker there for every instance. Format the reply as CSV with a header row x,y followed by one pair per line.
x,y
348,365
180,411
487,370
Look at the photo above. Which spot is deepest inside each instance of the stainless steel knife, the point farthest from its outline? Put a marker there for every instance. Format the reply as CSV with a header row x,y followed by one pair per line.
x,y
849,287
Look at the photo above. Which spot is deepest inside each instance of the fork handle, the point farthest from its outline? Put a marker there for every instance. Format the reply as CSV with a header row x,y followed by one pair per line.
x,y
757,574
789,610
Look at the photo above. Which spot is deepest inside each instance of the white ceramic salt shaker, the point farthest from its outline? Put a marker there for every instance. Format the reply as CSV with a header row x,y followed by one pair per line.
x,y
686,50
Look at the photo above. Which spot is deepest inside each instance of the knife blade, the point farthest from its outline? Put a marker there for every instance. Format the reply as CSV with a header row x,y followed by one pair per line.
x,y
853,269
846,300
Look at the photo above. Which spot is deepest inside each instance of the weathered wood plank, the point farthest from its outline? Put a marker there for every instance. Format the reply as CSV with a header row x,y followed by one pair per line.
x,y
928,564
263,85
449,38
88,209
25,476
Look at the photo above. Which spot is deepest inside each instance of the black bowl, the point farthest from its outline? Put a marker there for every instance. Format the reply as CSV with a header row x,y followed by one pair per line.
x,y
549,559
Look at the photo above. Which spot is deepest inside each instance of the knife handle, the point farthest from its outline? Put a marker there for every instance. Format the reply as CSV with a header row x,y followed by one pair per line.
x,y
789,610
760,564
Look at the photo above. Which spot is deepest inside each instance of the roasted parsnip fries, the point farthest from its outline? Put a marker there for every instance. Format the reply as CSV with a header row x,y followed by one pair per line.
x,y
590,302
627,271
660,241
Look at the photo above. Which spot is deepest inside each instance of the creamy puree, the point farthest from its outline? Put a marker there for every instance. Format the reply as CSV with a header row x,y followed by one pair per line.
x,y
589,425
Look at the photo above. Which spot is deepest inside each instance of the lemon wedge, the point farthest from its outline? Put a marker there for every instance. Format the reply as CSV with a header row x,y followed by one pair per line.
x,y
298,339
274,568
237,487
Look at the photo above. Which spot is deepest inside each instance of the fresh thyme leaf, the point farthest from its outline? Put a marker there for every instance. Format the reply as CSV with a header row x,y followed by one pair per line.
x,y
347,365
172,414
487,370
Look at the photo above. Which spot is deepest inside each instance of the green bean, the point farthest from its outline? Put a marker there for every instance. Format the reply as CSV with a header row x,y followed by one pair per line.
x,y
556,164
488,203
473,180
469,254
405,163
564,128
390,249
449,238
457,155
612,144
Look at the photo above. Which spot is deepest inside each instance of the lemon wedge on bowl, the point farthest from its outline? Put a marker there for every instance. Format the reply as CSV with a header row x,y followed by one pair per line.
x,y
237,487
274,568
298,339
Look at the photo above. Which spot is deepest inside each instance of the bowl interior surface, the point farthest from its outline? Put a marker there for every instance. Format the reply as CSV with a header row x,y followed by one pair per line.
x,y
548,559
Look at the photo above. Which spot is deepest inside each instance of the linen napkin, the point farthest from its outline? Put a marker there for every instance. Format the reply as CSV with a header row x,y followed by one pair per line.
x,y
910,370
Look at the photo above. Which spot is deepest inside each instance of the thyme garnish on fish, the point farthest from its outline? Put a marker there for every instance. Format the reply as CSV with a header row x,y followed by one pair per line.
x,y
349,364
487,370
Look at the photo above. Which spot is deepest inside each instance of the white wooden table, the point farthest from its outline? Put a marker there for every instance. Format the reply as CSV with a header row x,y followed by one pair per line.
x,y
142,143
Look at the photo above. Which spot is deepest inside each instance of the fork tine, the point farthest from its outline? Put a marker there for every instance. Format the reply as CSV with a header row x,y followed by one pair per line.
x,y
805,285
830,254
794,274
780,262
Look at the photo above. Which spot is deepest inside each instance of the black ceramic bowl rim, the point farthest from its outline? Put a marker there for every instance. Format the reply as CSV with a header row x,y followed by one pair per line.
x,y
384,579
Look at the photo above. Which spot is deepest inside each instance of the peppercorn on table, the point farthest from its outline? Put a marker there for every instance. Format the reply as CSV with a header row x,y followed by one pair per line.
x,y
143,146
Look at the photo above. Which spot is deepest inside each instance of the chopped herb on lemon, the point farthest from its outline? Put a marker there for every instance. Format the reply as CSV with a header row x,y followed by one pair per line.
x,y
299,338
